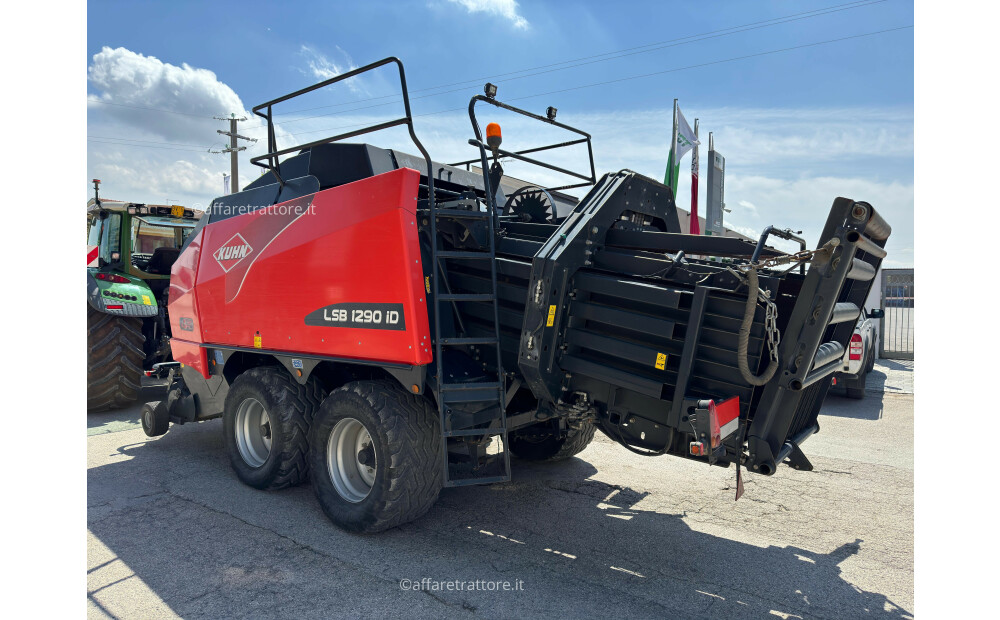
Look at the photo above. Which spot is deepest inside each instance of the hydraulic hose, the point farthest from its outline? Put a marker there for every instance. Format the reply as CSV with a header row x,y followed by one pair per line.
x,y
753,284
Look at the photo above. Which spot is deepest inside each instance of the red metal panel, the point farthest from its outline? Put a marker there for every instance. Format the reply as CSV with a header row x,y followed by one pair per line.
x,y
190,354
263,273
183,295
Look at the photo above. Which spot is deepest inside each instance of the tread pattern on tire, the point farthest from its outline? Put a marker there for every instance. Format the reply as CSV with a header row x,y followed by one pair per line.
x,y
114,360
414,456
161,422
575,441
297,408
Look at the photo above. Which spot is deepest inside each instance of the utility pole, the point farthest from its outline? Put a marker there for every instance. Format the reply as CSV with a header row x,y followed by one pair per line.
x,y
233,149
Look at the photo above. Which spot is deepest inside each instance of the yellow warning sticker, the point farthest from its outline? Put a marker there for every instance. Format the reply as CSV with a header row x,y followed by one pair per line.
x,y
145,300
661,361
177,211
552,316
256,341
427,284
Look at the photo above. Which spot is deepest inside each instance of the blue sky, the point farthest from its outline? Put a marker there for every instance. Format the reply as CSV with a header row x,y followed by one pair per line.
x,y
798,127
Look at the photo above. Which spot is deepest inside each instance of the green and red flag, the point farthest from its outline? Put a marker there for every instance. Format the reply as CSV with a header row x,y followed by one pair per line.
x,y
683,140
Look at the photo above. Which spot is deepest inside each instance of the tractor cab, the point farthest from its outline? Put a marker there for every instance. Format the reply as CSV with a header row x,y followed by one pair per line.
x,y
130,250
140,240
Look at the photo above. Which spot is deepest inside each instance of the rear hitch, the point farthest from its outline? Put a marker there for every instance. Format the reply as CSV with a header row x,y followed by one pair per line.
x,y
158,370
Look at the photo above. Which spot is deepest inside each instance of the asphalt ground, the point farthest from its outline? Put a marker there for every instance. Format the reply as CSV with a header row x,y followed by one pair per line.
x,y
172,532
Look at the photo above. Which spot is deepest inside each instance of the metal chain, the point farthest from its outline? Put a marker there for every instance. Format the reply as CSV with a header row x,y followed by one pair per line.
x,y
771,326
799,257
764,296
770,314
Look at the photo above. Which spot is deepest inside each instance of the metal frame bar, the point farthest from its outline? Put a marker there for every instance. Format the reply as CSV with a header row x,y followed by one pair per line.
x,y
526,151
478,141
786,234
273,153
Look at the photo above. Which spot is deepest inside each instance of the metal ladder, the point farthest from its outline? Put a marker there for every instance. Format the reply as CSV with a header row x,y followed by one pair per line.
x,y
473,411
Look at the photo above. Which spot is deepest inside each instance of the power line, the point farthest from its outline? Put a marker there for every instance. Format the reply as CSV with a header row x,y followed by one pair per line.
x,y
603,83
140,107
716,62
644,75
612,55
145,146
147,141
589,59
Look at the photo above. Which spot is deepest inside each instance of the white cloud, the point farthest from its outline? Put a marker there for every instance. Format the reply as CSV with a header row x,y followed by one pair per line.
x,y
323,67
124,78
166,157
501,8
749,206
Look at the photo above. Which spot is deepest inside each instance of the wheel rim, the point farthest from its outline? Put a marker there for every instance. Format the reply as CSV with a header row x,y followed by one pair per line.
x,y
147,417
351,460
253,432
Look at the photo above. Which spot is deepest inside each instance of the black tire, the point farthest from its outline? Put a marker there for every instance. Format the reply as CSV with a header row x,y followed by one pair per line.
x,y
155,418
532,446
114,360
858,393
405,433
290,408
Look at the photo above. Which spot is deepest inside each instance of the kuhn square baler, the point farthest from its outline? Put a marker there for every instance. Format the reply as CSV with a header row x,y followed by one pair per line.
x,y
389,325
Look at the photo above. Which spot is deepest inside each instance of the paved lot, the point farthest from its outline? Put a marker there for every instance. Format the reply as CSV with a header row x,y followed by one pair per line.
x,y
171,532
895,376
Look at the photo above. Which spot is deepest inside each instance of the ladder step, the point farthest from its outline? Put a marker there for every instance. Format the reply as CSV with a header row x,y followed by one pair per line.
x,y
482,215
462,482
471,432
458,387
468,397
461,341
460,254
466,297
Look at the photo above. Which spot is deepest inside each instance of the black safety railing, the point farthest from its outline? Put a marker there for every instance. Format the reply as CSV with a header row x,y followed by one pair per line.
x,y
520,155
269,160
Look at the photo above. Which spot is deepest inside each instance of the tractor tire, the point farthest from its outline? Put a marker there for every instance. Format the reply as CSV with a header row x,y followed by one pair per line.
x,y
266,423
155,418
376,456
547,447
114,360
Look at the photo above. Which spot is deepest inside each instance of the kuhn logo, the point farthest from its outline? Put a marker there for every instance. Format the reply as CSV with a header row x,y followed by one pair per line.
x,y
232,252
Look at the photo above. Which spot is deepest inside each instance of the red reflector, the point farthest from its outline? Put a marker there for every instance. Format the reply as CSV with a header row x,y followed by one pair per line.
x,y
856,347
102,276
724,419
115,307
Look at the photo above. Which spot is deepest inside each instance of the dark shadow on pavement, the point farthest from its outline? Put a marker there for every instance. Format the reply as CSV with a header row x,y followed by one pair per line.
x,y
868,408
128,417
175,514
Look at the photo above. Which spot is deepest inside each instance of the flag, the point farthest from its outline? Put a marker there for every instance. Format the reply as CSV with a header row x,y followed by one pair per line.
x,y
225,184
682,142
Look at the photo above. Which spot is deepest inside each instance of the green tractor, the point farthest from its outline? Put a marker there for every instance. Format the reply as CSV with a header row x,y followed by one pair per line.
x,y
130,249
